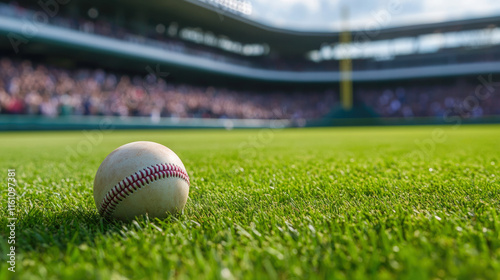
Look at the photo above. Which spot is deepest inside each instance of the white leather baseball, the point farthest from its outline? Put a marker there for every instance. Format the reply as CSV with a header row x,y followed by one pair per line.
x,y
141,178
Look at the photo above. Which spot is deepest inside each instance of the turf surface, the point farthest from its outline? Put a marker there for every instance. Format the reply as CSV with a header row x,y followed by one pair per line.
x,y
343,203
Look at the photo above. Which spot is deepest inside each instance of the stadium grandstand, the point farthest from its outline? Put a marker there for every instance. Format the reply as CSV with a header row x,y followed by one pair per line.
x,y
157,62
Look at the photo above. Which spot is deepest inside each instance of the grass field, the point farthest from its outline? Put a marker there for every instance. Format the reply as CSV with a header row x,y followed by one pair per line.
x,y
341,203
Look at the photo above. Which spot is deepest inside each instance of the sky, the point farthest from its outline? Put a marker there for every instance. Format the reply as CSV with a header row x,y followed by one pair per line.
x,y
325,15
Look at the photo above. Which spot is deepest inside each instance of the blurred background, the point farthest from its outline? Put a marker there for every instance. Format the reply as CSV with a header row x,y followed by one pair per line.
x,y
70,64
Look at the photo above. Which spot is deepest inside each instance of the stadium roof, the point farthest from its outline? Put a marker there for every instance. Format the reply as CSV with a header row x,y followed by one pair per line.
x,y
53,41
284,41
57,41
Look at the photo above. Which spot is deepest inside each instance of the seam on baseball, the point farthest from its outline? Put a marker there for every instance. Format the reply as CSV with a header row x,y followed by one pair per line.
x,y
136,181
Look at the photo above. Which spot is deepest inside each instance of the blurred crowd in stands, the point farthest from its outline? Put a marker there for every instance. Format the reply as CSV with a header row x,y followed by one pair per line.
x,y
463,97
26,88
31,89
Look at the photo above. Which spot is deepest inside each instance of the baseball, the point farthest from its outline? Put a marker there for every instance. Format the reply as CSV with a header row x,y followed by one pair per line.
x,y
140,178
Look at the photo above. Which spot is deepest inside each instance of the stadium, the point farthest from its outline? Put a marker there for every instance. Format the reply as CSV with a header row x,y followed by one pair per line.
x,y
369,151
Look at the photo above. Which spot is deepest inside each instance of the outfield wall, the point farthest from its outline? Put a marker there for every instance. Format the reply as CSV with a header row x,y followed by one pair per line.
x,y
24,123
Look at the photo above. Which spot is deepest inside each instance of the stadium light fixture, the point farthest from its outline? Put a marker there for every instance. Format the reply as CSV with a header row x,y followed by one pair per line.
x,y
243,7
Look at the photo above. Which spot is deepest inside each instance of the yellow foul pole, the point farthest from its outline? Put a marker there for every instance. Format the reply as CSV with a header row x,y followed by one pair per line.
x,y
346,63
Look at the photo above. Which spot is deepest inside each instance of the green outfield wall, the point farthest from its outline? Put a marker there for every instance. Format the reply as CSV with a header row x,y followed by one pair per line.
x,y
23,122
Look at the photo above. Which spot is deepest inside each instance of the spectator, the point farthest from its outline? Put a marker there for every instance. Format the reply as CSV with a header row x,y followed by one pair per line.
x,y
50,91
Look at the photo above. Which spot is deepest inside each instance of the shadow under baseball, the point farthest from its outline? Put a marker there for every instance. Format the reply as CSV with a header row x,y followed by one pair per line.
x,y
39,230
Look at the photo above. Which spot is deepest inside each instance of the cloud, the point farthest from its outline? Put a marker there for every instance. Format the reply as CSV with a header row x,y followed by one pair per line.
x,y
295,14
325,15
438,11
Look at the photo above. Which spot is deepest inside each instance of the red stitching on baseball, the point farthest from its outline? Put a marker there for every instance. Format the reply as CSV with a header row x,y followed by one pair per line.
x,y
138,180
